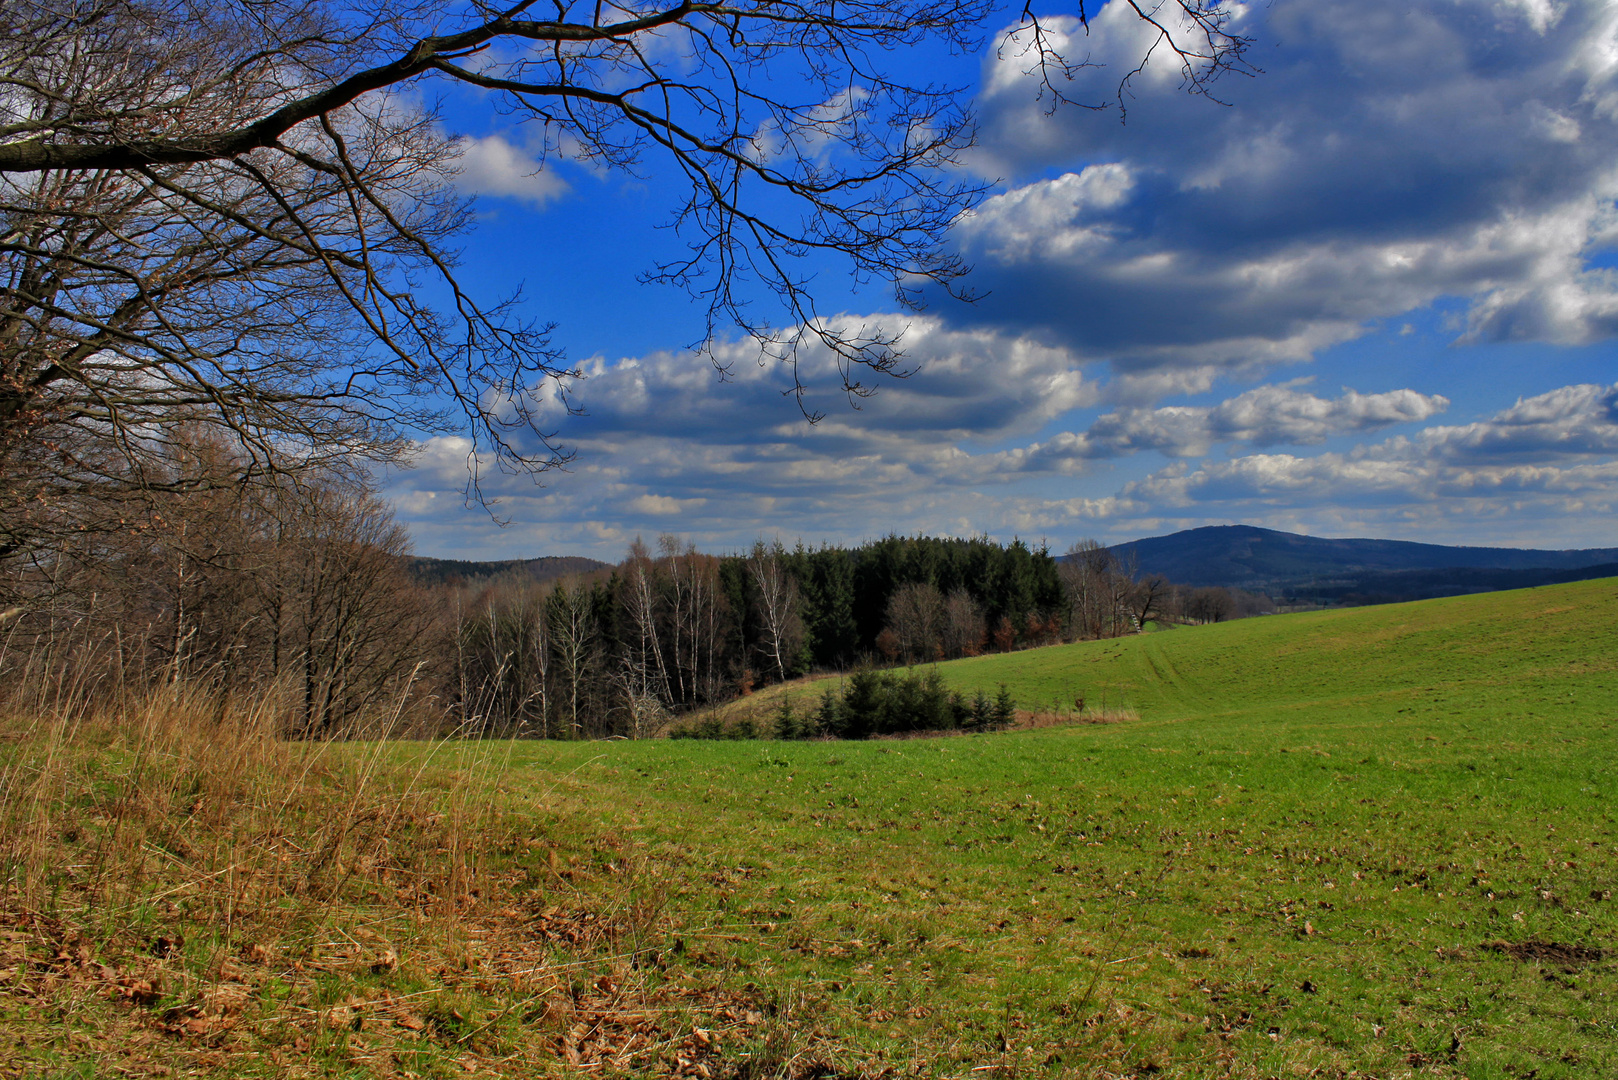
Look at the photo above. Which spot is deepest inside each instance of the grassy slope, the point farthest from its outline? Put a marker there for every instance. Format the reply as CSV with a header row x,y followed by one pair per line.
x,y
1294,860
1513,658
1300,860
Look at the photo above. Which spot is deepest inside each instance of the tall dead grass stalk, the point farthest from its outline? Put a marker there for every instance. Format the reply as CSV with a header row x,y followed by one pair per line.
x,y
117,802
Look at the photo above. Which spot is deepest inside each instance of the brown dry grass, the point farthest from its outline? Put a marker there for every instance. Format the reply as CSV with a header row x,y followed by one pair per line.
x,y
1030,721
182,890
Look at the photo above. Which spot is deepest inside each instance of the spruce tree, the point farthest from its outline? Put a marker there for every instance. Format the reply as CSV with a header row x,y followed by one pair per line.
x,y
982,712
828,719
785,725
1004,713
863,704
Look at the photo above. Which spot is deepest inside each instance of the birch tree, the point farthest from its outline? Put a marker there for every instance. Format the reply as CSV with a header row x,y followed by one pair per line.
x,y
776,604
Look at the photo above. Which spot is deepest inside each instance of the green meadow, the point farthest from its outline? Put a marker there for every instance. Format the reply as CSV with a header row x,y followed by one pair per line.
x,y
1365,842
1360,843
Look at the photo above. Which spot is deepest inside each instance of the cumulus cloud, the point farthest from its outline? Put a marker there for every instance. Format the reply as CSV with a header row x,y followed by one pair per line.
x,y
1541,472
665,445
1548,457
664,442
972,384
1389,155
1263,416
1572,422
493,166
663,506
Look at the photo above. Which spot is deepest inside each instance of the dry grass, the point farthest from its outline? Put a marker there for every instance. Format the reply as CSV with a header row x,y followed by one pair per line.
x,y
179,888
1030,721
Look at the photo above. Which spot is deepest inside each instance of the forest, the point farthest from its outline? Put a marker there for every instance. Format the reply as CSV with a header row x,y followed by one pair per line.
x,y
305,589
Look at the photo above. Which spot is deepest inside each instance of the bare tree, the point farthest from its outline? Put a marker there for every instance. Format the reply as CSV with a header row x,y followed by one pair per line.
x,y
572,633
964,628
680,615
1103,598
1123,588
299,585
1152,598
776,600
1085,574
916,616
502,648
1210,605
231,212
698,575
645,674
357,622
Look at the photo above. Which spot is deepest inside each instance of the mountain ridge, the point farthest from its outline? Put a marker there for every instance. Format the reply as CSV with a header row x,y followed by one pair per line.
x,y
1275,562
464,571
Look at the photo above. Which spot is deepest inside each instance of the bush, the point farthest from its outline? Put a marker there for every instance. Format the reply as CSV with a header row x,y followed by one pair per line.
x,y
889,703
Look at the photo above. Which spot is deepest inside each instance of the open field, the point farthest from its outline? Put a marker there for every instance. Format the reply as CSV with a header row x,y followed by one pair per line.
x,y
1376,842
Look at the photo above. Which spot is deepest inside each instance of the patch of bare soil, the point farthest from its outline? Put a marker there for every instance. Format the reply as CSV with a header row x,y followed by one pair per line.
x,y
1550,952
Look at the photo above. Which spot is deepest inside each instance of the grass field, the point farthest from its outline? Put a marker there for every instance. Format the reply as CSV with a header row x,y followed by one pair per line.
x,y
1376,842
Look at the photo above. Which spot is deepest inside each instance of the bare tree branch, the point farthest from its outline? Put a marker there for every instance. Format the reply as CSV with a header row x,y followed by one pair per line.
x,y
227,214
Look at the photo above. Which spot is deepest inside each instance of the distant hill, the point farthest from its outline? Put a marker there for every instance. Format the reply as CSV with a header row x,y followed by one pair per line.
x,y
1403,585
462,572
1332,571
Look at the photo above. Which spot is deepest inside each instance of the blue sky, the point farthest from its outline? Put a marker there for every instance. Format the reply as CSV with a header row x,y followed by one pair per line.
x,y
1372,295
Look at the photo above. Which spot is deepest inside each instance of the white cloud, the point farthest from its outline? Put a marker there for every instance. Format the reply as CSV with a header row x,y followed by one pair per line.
x,y
1574,421
1544,467
1263,416
973,384
492,166
1390,155
663,506
665,445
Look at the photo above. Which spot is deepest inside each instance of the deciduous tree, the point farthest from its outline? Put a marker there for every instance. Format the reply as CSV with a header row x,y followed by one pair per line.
x,y
776,601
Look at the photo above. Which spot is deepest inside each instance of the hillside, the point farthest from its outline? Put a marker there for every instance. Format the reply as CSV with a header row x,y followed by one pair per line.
x,y
1500,654
460,571
1399,586
1515,657
1264,560
1371,842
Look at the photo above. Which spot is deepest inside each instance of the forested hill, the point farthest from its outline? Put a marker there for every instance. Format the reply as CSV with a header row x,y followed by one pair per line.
x,y
1265,560
460,571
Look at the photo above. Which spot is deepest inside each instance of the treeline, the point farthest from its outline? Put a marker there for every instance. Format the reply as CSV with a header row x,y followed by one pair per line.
x,y
871,703
625,650
291,586
303,588
620,651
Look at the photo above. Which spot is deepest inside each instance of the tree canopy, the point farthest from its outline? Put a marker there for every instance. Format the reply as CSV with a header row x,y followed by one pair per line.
x,y
239,216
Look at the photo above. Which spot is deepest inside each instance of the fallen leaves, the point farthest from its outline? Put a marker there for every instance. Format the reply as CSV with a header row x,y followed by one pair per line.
x,y
166,946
